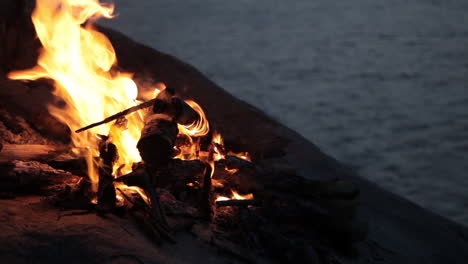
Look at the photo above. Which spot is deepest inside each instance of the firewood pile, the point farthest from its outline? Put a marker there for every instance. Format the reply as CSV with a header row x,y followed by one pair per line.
x,y
246,209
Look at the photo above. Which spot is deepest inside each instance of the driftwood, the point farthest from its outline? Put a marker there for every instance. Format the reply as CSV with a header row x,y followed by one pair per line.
x,y
32,177
56,156
10,152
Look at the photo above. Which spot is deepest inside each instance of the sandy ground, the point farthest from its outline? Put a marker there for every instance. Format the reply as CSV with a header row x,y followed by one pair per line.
x,y
379,85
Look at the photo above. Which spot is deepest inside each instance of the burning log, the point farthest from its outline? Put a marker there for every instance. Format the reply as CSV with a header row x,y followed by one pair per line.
x,y
179,176
69,162
32,177
242,175
10,152
58,157
188,180
157,139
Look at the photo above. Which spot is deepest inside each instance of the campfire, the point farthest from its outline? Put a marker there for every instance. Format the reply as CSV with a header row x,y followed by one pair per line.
x,y
151,155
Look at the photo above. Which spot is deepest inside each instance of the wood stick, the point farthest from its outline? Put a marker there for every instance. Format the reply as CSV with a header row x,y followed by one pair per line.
x,y
234,202
113,117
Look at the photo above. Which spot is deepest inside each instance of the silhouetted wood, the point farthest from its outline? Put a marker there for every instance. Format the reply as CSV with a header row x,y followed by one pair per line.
x,y
188,180
182,113
108,155
157,139
121,114
156,216
235,202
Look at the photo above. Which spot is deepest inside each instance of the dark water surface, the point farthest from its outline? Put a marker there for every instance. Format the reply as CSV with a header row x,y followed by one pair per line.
x,y
379,84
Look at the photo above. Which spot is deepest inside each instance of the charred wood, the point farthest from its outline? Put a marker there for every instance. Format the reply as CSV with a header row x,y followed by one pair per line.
x,y
69,162
10,152
141,178
178,109
235,202
157,139
176,208
325,209
245,176
188,180
108,155
205,196
32,177
141,221
184,178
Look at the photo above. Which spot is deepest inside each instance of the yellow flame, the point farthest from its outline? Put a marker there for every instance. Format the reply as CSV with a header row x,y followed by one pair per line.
x,y
200,127
237,196
218,141
79,59
197,129
217,138
222,198
132,189
231,171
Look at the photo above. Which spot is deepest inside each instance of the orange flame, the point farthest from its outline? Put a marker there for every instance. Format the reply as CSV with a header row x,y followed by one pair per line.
x,y
217,143
222,198
200,127
133,189
79,59
197,129
235,196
